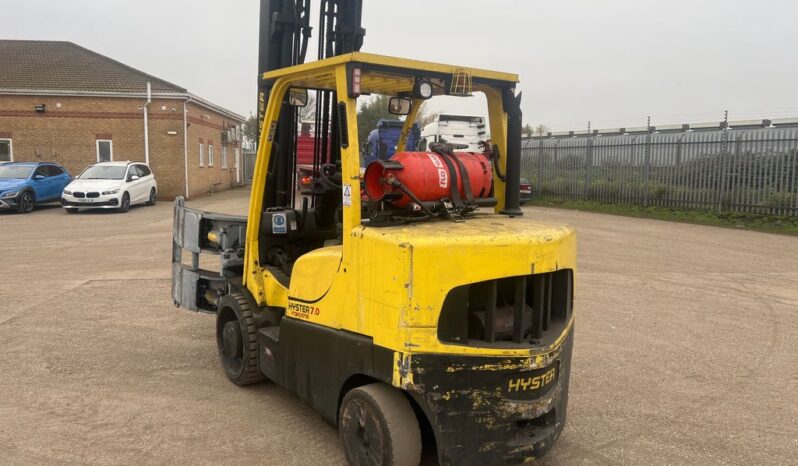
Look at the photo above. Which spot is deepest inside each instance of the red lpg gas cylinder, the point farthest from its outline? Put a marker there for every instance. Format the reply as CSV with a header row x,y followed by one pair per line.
x,y
427,176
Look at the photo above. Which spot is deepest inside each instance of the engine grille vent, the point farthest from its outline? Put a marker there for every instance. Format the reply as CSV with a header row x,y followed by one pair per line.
x,y
524,310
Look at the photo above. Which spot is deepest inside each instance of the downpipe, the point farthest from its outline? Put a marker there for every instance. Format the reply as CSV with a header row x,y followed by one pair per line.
x,y
146,124
185,143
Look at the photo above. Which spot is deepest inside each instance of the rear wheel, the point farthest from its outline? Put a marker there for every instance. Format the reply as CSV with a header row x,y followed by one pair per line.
x,y
152,199
26,202
377,426
124,205
237,341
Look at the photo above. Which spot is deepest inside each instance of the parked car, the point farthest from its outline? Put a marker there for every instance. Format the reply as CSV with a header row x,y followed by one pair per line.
x,y
111,185
24,185
526,191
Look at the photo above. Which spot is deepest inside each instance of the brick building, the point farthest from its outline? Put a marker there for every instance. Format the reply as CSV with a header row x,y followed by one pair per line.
x,y
62,103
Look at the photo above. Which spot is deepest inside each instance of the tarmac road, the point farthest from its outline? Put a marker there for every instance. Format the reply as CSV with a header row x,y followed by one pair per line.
x,y
686,349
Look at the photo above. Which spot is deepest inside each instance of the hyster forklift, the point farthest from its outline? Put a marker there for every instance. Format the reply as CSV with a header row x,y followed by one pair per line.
x,y
409,302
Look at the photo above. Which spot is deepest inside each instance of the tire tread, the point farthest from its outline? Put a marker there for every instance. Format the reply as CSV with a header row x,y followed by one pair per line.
x,y
250,373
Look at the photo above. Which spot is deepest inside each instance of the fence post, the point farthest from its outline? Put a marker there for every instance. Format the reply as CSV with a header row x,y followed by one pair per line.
x,y
588,167
724,141
540,167
680,178
647,162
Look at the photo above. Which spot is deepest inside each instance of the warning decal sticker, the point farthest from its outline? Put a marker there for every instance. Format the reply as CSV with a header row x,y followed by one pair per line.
x,y
347,195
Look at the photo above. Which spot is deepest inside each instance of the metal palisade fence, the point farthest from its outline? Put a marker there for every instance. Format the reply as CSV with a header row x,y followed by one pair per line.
x,y
744,168
250,155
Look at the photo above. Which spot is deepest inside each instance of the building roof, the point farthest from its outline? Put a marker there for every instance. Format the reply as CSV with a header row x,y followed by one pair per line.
x,y
65,66
45,67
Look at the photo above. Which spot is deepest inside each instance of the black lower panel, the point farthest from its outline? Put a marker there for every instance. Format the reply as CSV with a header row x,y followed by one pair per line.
x,y
315,362
484,415
112,202
483,410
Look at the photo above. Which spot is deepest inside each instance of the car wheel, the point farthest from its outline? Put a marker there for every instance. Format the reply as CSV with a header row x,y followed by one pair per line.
x,y
124,206
71,210
152,198
377,426
26,202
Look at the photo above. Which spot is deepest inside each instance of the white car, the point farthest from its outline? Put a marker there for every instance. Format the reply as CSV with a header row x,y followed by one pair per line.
x,y
111,185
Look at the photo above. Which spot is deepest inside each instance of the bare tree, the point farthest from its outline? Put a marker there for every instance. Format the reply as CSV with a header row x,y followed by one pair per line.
x,y
251,129
541,130
527,131
308,112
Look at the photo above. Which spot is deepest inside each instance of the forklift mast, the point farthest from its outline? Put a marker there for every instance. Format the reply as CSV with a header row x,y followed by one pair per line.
x,y
285,32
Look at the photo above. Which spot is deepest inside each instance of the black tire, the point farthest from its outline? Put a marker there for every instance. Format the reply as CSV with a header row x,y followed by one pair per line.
x,y
26,203
237,340
71,210
377,426
124,205
153,199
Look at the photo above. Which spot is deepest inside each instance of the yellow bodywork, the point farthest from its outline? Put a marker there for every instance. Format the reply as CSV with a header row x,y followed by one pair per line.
x,y
389,283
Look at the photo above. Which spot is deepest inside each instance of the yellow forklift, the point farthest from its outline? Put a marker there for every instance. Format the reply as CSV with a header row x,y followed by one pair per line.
x,y
409,302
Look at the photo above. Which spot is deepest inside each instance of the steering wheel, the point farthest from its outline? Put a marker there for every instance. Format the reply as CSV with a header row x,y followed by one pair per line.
x,y
330,176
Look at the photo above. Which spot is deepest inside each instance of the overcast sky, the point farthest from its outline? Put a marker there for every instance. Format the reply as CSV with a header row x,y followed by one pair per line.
x,y
611,62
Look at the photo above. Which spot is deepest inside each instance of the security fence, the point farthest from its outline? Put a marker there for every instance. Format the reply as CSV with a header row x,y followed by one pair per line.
x,y
249,164
725,169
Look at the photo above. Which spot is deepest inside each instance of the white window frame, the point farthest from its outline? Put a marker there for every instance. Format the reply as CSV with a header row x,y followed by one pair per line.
x,y
224,156
210,155
10,148
201,154
97,148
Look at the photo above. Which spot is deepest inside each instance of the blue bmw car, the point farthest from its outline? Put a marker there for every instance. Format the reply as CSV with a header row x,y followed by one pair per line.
x,y
24,185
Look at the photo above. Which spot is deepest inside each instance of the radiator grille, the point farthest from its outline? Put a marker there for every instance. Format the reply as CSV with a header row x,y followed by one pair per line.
x,y
523,310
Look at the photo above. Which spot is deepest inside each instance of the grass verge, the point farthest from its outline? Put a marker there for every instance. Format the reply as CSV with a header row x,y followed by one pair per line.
x,y
766,223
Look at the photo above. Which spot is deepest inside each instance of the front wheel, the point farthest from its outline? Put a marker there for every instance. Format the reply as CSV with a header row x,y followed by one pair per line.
x,y
152,199
26,203
237,340
377,426
71,210
124,205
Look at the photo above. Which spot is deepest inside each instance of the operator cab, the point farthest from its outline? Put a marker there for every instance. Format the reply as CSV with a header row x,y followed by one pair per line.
x,y
447,182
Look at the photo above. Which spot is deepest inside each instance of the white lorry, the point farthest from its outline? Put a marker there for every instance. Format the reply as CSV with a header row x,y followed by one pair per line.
x,y
456,129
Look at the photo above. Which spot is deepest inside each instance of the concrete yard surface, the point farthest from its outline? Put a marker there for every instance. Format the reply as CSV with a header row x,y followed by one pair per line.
x,y
686,349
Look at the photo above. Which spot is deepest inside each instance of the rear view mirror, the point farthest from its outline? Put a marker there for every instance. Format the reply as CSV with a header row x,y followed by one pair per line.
x,y
297,97
132,177
38,177
399,105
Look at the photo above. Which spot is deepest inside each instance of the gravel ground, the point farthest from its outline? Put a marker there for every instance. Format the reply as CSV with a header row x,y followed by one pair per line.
x,y
686,349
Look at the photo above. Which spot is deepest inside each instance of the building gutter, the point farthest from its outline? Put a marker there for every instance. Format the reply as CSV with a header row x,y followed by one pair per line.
x,y
137,95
